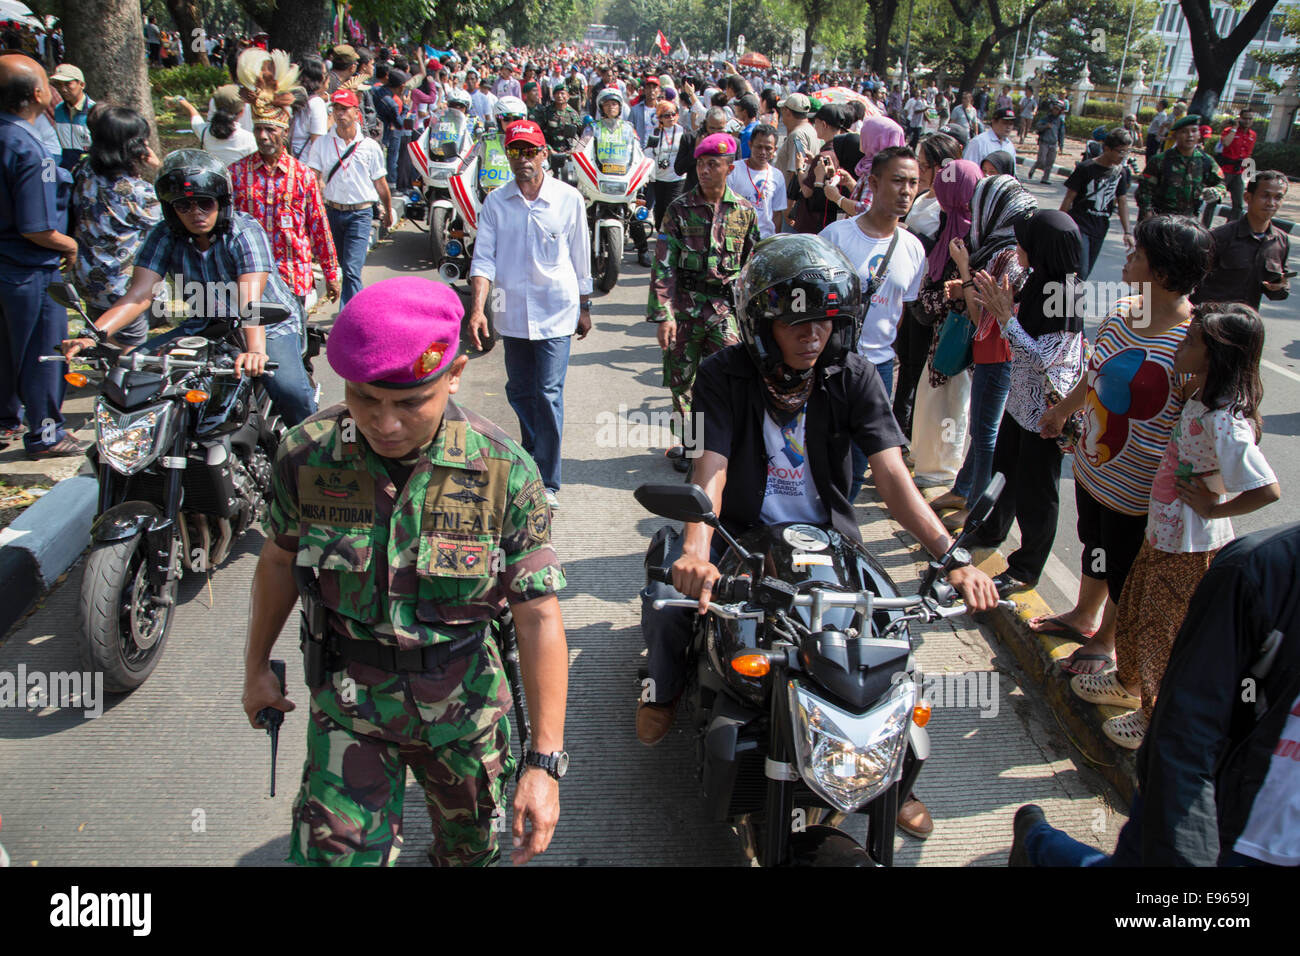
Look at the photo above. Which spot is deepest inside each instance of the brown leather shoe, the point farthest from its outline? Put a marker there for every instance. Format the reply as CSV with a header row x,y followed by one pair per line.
x,y
653,721
914,818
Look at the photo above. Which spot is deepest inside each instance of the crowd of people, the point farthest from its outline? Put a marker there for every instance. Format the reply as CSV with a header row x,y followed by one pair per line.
x,y
972,326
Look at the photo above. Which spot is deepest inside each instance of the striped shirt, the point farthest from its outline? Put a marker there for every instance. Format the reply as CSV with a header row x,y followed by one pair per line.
x,y
1133,402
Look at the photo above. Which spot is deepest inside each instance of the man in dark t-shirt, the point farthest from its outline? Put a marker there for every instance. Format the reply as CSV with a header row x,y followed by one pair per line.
x,y
1092,192
785,405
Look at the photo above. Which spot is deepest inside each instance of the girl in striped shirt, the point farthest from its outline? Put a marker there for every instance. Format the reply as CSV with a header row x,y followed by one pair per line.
x,y
1131,398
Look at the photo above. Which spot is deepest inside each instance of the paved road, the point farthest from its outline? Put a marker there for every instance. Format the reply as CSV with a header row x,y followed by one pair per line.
x,y
173,774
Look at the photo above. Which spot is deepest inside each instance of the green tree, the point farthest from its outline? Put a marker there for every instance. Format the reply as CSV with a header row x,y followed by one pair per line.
x,y
1215,55
1093,32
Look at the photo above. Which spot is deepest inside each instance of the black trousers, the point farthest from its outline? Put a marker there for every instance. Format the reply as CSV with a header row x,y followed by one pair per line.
x,y
664,194
1032,467
912,346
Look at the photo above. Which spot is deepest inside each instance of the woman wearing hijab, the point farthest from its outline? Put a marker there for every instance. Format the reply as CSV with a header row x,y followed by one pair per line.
x,y
999,204
1000,163
912,343
939,422
851,194
1045,332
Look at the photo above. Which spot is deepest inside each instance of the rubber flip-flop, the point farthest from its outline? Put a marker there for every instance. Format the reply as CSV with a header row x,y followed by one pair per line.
x,y
1067,667
1055,627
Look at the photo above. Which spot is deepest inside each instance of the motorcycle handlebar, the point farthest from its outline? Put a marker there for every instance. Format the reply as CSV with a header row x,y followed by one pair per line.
x,y
728,589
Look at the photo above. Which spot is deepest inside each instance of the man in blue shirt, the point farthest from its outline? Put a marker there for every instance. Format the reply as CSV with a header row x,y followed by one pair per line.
x,y
70,115
32,218
746,110
209,250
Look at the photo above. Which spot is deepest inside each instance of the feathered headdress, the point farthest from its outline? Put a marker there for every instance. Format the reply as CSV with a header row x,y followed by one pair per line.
x,y
267,80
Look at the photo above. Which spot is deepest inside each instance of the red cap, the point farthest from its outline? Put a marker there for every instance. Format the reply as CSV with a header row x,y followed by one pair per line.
x,y
525,131
346,97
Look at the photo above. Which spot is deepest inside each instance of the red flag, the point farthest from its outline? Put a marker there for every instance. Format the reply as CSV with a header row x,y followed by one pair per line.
x,y
663,42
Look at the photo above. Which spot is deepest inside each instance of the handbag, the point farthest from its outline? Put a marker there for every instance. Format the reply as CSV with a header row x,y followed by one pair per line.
x,y
953,353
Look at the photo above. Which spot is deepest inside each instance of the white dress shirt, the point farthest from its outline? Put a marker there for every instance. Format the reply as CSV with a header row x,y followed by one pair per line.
x,y
987,142
544,253
355,181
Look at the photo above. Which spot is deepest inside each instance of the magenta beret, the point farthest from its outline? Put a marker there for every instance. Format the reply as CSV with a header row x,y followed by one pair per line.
x,y
397,333
717,144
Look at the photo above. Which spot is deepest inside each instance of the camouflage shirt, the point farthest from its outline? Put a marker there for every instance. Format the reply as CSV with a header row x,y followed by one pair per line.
x,y
703,251
469,531
561,125
1172,183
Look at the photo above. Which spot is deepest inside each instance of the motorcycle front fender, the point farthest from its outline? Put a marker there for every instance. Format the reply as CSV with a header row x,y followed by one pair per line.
x,y
603,224
826,846
124,521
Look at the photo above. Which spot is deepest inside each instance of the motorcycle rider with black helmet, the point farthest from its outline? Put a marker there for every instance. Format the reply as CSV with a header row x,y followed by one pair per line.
x,y
222,257
784,406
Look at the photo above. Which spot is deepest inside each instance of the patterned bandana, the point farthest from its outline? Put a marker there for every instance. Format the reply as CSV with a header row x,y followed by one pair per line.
x,y
787,391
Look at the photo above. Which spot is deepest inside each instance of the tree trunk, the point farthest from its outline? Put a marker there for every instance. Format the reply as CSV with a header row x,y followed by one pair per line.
x,y
92,26
883,13
973,69
1214,55
186,17
806,61
295,27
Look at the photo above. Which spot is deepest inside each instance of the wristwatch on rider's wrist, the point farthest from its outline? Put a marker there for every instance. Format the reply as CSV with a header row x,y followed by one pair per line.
x,y
960,559
556,764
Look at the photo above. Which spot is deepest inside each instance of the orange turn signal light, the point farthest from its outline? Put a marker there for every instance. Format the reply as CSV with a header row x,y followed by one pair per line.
x,y
921,714
196,396
75,379
751,665
456,233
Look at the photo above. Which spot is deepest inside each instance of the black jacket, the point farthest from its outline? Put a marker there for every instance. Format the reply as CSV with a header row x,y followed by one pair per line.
x,y
1208,749
848,403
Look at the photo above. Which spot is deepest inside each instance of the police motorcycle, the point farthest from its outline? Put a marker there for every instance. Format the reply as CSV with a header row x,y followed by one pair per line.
x,y
183,452
483,170
802,684
437,155
612,172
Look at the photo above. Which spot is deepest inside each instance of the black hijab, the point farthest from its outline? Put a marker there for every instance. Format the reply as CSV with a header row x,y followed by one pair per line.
x,y
1052,297
848,150
1002,162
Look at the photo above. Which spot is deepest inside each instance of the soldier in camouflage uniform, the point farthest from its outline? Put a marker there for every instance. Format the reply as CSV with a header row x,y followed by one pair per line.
x,y
1176,181
421,521
560,121
708,233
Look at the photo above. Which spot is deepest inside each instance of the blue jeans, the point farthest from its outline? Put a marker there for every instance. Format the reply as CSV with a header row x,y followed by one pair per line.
x,y
886,370
31,325
393,151
291,392
988,398
351,231
535,370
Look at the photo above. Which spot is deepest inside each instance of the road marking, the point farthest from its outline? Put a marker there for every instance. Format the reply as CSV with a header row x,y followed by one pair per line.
x,y
1280,370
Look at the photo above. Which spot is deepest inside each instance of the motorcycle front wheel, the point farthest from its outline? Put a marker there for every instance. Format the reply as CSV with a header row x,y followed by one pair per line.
x,y
611,259
123,625
437,235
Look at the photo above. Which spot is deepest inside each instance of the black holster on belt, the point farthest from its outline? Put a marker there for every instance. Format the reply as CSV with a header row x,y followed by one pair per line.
x,y
317,661
694,282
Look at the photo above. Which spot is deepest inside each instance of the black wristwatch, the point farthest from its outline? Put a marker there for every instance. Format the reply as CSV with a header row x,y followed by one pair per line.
x,y
556,764
960,559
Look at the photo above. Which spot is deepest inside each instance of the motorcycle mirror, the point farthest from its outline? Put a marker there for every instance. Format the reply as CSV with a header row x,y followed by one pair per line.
x,y
984,504
266,312
677,502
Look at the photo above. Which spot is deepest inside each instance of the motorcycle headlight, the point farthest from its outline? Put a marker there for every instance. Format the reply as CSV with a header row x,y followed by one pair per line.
x,y
441,178
851,758
130,441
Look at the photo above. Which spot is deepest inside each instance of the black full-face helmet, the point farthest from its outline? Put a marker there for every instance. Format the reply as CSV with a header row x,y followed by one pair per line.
x,y
187,173
797,278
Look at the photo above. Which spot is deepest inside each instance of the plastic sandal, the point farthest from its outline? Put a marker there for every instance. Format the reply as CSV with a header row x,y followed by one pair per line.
x,y
1103,688
1126,730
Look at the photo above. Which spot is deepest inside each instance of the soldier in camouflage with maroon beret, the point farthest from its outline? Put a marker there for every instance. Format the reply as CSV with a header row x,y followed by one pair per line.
x,y
419,522
708,233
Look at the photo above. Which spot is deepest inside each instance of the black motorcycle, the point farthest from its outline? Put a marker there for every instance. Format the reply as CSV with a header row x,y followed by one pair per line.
x,y
803,685
183,451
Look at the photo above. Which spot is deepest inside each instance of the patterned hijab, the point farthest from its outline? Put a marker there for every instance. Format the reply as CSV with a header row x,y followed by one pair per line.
x,y
998,204
954,185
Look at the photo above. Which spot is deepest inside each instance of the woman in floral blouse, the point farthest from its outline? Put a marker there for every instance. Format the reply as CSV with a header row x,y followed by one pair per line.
x,y
112,209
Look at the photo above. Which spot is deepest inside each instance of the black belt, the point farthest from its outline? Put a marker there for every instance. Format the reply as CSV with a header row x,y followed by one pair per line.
x,y
693,282
417,660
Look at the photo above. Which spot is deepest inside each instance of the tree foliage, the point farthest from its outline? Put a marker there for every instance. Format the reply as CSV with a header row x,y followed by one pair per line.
x,y
1093,32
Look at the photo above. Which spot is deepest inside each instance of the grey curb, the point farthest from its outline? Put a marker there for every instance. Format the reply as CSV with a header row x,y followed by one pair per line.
x,y
43,542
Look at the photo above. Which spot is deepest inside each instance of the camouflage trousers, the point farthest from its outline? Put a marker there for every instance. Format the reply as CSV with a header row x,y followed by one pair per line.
x,y
696,340
349,808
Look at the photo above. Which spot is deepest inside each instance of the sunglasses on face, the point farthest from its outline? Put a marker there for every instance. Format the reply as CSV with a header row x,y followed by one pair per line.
x,y
523,152
204,204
